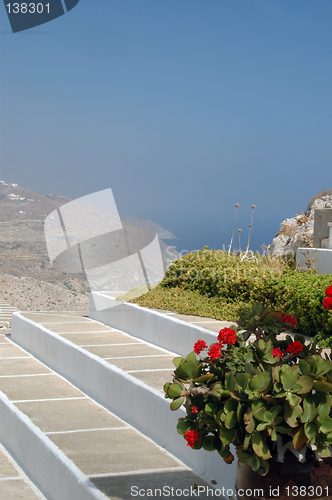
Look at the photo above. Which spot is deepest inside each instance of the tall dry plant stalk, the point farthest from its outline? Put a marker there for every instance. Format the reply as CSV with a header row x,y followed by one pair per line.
x,y
250,226
239,231
231,243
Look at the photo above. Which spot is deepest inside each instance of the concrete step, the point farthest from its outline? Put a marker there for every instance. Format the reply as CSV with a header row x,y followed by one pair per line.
x,y
6,312
70,446
123,373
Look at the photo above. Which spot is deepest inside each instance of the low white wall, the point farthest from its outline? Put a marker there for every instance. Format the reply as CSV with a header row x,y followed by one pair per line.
x,y
54,474
140,405
321,259
160,329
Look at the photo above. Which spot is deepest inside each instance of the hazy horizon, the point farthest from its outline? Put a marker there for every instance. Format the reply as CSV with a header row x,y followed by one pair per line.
x,y
181,108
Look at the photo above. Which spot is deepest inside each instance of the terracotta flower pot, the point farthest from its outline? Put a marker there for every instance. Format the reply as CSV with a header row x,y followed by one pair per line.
x,y
291,480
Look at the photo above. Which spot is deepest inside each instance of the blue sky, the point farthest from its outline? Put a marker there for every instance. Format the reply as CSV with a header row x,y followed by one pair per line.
x,y
182,107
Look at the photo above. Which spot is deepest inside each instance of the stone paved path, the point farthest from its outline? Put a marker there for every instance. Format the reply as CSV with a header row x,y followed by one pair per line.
x,y
113,454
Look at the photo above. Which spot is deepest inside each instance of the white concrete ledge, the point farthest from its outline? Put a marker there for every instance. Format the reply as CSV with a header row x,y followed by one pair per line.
x,y
160,329
320,259
55,475
140,405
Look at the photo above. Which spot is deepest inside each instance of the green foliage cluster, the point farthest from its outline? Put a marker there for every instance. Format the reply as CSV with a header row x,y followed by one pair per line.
x,y
266,279
215,273
183,301
249,395
302,294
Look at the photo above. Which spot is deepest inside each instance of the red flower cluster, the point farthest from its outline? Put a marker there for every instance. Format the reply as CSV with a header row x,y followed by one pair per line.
x,y
328,291
199,346
327,303
194,409
295,348
191,437
227,336
215,351
277,352
287,318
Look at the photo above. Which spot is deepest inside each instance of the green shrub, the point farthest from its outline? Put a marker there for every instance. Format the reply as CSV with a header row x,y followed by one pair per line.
x,y
302,295
219,274
265,279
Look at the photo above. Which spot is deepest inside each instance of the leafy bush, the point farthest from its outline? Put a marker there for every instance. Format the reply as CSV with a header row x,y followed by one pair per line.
x,y
221,274
266,279
302,294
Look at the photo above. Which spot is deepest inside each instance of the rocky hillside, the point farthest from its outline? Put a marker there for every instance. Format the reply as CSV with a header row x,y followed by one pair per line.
x,y
298,231
27,279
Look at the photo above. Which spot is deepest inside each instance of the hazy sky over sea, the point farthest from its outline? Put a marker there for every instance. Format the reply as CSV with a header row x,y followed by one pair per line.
x,y
182,107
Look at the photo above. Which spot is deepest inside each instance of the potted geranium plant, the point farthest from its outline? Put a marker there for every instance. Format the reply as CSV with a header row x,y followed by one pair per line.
x,y
268,395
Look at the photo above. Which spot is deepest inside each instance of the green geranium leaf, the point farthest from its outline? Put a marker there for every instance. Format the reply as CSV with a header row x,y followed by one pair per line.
x,y
178,361
226,436
304,367
306,384
230,381
185,370
293,399
260,381
211,409
198,370
300,439
191,357
288,379
310,430
175,405
231,420
291,414
326,424
260,446
174,391
322,386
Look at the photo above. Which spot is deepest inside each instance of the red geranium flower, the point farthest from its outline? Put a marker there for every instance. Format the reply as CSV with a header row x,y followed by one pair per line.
x,y
194,409
328,291
327,303
199,346
191,437
215,351
287,318
277,352
295,348
227,336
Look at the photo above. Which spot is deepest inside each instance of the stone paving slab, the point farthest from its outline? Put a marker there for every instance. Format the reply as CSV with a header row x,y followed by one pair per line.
x,y
7,469
155,379
68,415
113,451
21,366
11,351
14,484
180,485
31,387
115,351
72,327
143,363
99,338
53,318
